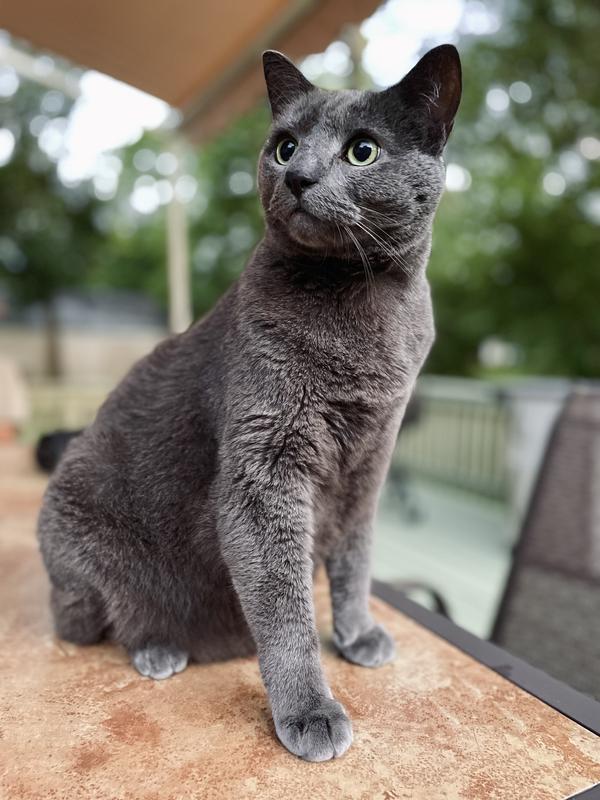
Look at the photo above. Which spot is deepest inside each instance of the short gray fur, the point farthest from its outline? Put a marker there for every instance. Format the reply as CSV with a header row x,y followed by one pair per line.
x,y
187,520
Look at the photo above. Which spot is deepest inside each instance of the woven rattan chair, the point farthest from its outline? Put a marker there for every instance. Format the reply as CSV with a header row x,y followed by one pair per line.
x,y
550,612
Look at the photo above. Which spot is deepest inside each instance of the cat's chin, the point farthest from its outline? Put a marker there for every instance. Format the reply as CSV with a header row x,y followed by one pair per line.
x,y
309,231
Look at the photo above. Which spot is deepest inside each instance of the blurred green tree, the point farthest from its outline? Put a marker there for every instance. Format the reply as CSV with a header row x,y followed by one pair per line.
x,y
48,239
516,255
231,223
514,266
133,255
225,220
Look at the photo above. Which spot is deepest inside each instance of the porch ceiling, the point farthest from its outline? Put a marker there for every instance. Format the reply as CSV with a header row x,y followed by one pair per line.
x,y
199,56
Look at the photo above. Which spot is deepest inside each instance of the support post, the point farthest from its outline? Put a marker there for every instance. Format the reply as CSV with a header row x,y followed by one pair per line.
x,y
178,258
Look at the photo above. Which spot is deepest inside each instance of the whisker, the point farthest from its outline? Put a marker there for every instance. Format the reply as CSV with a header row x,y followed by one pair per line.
x,y
386,217
392,254
384,241
369,277
391,246
344,241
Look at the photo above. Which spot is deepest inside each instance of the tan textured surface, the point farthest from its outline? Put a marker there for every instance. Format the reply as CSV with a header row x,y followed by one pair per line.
x,y
79,723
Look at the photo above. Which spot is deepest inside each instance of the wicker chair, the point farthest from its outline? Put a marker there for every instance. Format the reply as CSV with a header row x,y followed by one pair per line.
x,y
550,612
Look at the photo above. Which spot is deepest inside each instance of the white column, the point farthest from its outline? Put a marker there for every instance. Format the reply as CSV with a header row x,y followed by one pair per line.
x,y
178,255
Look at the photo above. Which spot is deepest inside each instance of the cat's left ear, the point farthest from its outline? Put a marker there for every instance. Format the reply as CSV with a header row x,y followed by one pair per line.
x,y
433,86
284,81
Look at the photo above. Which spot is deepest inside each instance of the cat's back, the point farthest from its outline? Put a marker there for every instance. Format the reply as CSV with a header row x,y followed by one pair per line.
x,y
152,448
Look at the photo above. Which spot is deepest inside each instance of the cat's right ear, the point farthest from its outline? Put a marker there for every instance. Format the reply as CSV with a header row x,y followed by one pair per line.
x,y
284,81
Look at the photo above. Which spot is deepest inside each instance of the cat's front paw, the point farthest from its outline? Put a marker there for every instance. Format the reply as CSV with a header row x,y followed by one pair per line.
x,y
318,733
370,649
159,661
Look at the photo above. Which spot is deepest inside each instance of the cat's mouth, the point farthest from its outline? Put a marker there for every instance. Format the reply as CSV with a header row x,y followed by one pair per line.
x,y
303,220
299,208
303,211
307,228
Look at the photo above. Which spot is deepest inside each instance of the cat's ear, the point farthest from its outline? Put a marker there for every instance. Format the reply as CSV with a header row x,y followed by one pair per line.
x,y
433,86
284,81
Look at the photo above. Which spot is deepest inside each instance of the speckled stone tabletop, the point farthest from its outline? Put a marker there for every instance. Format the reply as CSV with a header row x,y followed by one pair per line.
x,y
80,723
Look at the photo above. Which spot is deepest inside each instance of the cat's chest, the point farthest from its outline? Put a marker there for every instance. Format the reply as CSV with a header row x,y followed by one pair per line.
x,y
370,360
358,393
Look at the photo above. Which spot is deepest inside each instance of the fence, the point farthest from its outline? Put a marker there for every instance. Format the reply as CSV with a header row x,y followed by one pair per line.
x,y
459,436
480,436
473,435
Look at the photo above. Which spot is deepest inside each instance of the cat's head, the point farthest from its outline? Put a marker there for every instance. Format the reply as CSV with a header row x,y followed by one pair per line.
x,y
343,171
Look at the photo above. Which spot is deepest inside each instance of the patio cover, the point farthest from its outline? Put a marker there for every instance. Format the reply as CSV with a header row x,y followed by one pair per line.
x,y
199,56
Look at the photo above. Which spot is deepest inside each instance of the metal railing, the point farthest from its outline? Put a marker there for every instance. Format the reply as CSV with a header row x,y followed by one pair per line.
x,y
459,436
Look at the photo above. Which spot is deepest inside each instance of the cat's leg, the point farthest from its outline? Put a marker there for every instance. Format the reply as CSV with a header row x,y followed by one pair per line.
x,y
159,661
79,614
266,539
78,609
148,630
135,604
356,635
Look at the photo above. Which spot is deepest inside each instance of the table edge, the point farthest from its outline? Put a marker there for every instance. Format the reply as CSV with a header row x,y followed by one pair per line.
x,y
578,707
593,793
583,710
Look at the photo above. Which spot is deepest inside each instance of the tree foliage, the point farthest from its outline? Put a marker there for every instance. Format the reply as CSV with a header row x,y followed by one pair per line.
x,y
48,239
515,254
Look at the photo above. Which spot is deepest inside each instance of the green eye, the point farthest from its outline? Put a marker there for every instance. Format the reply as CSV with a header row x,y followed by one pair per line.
x,y
362,152
285,150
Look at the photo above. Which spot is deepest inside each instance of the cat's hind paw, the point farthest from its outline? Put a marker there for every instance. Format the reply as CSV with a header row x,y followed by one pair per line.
x,y
371,649
159,661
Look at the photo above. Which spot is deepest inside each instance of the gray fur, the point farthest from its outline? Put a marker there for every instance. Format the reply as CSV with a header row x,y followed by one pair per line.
x,y
159,661
188,519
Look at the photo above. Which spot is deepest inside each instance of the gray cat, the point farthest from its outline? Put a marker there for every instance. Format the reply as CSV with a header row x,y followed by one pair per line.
x,y
187,521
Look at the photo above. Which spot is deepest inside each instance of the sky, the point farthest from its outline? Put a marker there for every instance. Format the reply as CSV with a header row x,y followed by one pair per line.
x,y
398,31
109,114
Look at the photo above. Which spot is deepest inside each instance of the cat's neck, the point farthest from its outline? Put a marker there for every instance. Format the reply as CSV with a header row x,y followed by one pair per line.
x,y
274,257
319,303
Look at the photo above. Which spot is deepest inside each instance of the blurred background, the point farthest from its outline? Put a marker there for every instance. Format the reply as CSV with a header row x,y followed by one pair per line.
x,y
128,146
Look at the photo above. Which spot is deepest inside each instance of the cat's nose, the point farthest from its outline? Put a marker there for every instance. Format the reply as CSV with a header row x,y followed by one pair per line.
x,y
297,182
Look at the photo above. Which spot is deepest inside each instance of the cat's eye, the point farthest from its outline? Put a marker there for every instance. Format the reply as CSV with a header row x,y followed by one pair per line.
x,y
285,150
362,152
